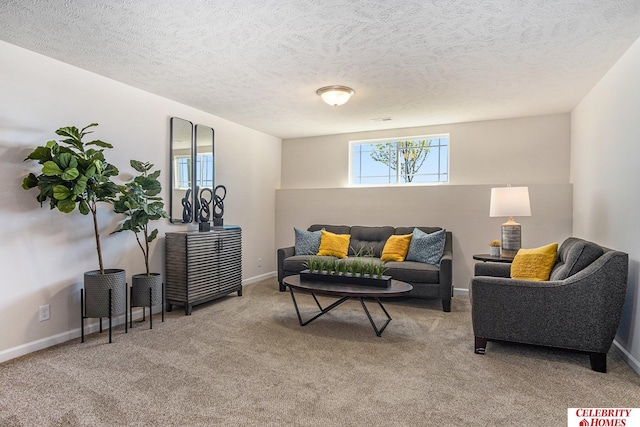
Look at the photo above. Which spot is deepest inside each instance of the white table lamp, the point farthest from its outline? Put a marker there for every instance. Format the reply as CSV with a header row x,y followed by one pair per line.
x,y
510,202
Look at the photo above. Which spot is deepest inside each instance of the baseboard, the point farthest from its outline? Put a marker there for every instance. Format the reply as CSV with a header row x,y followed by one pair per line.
x,y
259,278
460,291
628,357
91,326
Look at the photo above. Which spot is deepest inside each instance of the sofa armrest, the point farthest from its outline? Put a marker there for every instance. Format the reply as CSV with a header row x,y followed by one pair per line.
x,y
284,253
493,269
446,268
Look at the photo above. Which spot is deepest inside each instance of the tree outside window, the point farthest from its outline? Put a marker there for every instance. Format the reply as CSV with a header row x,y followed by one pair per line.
x,y
401,160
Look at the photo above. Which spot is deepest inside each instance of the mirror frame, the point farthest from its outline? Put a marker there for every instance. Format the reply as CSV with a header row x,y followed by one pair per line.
x,y
173,218
196,194
201,197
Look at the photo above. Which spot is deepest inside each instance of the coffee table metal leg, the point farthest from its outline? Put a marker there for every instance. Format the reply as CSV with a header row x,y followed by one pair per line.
x,y
322,310
375,328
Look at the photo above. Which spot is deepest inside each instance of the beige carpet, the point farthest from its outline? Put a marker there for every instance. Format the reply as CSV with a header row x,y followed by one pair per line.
x,y
243,361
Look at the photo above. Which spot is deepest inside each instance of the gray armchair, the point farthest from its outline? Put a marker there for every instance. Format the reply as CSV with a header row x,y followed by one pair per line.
x,y
579,308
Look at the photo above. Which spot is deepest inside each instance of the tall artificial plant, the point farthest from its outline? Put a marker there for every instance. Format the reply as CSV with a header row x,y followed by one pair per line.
x,y
74,174
140,202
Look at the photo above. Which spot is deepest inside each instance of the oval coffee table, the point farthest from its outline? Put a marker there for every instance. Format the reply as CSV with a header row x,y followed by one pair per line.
x,y
345,291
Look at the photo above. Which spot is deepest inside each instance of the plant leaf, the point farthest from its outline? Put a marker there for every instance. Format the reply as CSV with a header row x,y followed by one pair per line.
x,y
66,206
152,236
99,144
70,174
64,160
84,129
42,154
60,192
29,181
83,207
81,185
50,168
140,166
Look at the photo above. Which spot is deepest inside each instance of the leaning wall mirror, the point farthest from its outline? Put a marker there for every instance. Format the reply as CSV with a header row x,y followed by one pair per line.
x,y
192,172
204,173
181,198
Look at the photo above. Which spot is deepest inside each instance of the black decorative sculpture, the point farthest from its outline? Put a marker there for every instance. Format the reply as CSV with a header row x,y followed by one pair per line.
x,y
218,205
187,211
203,209
204,213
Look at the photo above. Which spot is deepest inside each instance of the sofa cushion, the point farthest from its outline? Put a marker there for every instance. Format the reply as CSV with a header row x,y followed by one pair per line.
x,y
427,247
534,264
573,256
307,242
413,272
338,229
409,230
396,247
332,244
369,240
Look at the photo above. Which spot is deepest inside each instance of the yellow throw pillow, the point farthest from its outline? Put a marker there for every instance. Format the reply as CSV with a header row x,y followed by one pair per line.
x,y
534,264
396,248
332,244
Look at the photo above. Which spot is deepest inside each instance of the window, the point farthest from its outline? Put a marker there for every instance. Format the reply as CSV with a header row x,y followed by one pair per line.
x,y
204,172
412,160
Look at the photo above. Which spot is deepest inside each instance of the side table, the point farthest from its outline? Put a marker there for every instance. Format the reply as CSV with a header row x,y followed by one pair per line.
x,y
489,258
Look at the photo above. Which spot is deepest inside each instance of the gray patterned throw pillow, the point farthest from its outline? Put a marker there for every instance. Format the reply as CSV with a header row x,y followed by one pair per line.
x,y
307,242
426,247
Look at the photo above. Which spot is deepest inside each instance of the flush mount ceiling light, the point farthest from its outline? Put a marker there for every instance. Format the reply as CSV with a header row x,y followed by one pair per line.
x,y
335,95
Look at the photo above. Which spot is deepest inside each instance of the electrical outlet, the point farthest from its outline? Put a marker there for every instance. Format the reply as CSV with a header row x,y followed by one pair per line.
x,y
44,312
259,262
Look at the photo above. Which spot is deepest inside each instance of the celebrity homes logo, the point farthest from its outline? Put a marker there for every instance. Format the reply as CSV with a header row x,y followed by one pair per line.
x,y
603,417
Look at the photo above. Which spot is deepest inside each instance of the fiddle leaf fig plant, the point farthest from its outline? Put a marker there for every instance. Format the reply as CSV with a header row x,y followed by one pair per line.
x,y
140,202
74,174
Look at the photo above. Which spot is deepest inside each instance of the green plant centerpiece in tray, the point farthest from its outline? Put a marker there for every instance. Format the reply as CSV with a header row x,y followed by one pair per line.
x,y
351,272
74,174
141,204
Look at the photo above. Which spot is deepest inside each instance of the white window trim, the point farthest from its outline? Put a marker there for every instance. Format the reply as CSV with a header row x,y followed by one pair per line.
x,y
395,139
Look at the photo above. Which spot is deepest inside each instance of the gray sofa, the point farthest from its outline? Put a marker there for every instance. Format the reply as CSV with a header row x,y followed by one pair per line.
x,y
578,308
429,281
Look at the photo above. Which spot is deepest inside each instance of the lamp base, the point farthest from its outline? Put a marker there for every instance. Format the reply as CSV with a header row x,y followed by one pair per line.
x,y
511,239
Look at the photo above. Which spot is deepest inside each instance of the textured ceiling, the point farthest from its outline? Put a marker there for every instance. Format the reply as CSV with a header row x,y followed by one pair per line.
x,y
259,63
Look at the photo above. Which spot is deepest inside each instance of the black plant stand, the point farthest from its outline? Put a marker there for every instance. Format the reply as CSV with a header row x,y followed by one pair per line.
x,y
144,307
83,316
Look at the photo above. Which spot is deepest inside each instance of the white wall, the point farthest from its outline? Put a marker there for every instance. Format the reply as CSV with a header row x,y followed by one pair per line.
x,y
532,151
605,154
521,150
44,254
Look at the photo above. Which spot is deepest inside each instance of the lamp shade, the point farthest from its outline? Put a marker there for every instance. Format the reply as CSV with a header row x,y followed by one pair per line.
x,y
510,201
335,95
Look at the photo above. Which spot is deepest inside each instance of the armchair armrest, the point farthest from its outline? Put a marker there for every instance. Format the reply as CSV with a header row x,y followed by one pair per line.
x,y
493,269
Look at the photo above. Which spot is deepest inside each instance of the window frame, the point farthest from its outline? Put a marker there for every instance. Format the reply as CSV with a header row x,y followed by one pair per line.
x,y
179,170
398,174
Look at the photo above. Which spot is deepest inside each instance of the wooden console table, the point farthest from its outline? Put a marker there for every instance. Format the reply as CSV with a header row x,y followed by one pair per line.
x,y
202,266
